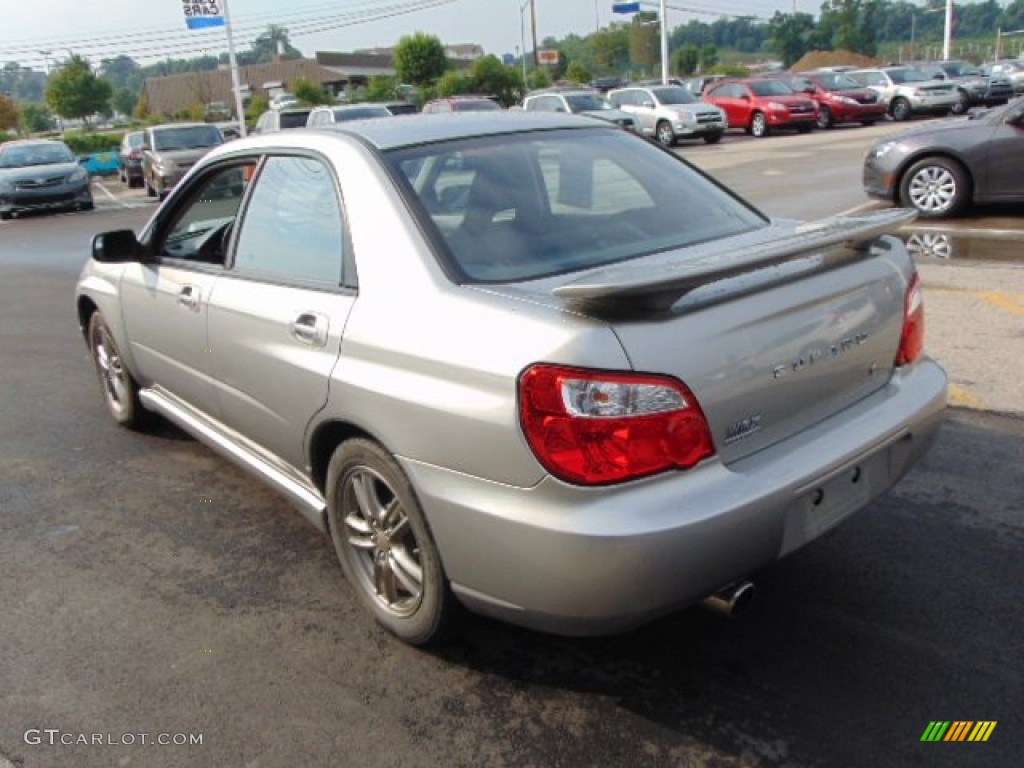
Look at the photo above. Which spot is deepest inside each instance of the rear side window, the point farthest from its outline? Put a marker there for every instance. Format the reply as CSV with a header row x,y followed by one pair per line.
x,y
524,206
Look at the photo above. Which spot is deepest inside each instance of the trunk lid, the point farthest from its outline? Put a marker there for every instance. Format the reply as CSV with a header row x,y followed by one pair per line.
x,y
773,331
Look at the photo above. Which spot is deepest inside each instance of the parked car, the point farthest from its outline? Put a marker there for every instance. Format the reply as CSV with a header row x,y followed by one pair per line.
x,y
840,99
41,175
131,158
761,105
974,87
274,120
907,91
321,116
697,85
670,112
1011,68
400,107
461,104
940,168
577,101
284,100
613,387
218,112
605,84
170,150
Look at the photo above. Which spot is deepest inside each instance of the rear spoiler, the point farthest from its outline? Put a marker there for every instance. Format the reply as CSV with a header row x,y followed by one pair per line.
x,y
634,287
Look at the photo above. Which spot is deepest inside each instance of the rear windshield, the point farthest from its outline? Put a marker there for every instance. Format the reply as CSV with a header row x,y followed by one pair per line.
x,y
359,113
190,137
294,119
906,75
402,109
587,102
523,206
481,105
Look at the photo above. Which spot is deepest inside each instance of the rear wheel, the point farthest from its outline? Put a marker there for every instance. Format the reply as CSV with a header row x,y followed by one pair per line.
x,y
825,118
666,136
758,125
150,192
384,544
120,391
5,216
936,187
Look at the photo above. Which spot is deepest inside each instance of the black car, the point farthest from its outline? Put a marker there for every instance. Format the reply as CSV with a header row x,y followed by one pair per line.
x,y
131,158
940,168
40,175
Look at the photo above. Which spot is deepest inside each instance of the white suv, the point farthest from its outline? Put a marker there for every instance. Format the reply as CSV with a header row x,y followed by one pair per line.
x,y
670,112
908,91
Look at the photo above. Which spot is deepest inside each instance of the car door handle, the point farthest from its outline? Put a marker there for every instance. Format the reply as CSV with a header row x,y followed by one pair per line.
x,y
189,297
311,328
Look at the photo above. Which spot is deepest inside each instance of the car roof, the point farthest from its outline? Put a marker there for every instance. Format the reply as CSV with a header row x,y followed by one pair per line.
x,y
426,129
169,126
30,142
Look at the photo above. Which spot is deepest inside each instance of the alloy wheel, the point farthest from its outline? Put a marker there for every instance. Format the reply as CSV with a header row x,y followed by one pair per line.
x,y
113,375
933,189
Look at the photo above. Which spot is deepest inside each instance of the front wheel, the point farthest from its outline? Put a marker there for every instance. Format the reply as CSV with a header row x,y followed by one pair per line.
x,y
384,545
666,136
935,187
758,125
900,110
120,391
712,138
825,119
963,103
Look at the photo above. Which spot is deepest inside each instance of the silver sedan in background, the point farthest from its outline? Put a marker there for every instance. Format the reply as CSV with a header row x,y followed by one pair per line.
x,y
528,364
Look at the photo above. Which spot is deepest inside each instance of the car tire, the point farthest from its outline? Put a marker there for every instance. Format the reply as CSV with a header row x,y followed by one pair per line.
x,y
963,103
935,187
712,138
758,125
5,216
384,544
120,390
664,133
825,118
86,206
900,109
150,192
867,123
804,128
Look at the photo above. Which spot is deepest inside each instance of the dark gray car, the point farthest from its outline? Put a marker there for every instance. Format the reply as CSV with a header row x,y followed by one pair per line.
x,y
974,87
41,175
169,151
940,168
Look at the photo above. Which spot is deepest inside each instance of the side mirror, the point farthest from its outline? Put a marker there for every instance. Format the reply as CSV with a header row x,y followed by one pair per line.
x,y
745,96
117,247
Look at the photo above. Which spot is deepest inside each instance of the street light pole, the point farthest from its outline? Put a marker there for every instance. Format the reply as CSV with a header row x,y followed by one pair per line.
x,y
947,35
664,42
533,30
522,37
235,83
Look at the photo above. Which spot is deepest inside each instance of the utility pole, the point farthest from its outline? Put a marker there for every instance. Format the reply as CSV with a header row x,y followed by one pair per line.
x,y
533,31
947,36
235,83
664,42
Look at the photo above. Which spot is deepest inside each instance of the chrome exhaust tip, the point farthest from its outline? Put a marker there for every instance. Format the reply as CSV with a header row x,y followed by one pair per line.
x,y
731,600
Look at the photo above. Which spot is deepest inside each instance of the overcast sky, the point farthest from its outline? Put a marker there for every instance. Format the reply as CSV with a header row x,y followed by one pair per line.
x,y
140,27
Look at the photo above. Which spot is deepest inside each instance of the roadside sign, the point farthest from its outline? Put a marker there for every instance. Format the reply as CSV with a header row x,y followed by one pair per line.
x,y
626,7
508,59
203,14
547,56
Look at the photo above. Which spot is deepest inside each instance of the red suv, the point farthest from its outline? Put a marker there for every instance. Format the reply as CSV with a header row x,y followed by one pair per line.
x,y
761,105
840,98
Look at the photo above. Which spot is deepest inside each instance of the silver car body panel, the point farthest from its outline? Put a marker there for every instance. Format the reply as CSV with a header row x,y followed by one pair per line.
x,y
429,369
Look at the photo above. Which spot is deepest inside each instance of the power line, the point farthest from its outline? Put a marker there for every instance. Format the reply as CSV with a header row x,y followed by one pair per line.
x,y
309,27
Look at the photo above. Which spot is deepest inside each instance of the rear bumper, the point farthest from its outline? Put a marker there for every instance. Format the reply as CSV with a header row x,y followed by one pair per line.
x,y
584,561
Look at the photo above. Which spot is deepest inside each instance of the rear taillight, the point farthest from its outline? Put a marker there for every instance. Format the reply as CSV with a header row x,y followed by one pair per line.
x,y
596,427
912,339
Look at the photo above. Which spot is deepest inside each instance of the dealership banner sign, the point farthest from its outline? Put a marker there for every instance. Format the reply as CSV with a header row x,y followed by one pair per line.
x,y
203,14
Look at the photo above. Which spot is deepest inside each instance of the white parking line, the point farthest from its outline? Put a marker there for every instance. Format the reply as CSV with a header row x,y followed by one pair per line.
x,y
103,188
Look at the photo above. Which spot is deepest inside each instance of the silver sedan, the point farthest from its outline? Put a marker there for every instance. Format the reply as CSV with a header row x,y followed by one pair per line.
x,y
526,364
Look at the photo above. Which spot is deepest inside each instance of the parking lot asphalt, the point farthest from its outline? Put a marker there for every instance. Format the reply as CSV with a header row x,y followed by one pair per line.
x,y
146,586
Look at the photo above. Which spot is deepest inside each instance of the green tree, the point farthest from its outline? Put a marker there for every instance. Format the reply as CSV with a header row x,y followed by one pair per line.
x,y
257,106
124,101
74,90
686,59
311,93
644,41
792,35
611,48
453,83
381,88
8,113
35,118
538,78
420,59
578,73
708,57
493,78
264,48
